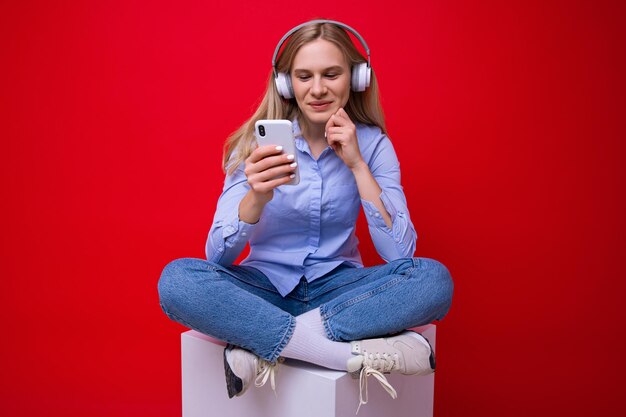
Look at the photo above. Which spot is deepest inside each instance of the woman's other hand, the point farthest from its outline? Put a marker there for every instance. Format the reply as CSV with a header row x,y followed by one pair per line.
x,y
341,136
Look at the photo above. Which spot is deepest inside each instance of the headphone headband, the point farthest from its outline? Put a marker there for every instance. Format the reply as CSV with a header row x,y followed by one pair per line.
x,y
312,22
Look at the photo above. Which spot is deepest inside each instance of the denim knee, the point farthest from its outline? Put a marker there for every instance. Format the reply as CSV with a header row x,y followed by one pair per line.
x,y
174,281
441,285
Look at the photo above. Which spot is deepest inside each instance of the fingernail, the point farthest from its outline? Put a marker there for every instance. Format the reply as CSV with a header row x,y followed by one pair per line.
x,y
290,157
295,164
279,148
292,176
324,133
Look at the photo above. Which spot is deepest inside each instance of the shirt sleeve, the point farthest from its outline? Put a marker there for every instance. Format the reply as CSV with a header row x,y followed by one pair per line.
x,y
228,235
399,240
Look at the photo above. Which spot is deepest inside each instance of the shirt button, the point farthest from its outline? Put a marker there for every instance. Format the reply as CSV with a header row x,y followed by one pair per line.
x,y
377,214
244,234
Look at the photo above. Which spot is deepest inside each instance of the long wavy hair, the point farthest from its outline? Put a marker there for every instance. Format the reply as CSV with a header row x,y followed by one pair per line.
x,y
363,107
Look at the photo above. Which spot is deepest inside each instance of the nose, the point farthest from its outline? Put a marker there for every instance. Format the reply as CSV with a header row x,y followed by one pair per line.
x,y
318,88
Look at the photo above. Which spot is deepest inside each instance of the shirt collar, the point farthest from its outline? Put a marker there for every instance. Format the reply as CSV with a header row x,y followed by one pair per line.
x,y
297,131
301,144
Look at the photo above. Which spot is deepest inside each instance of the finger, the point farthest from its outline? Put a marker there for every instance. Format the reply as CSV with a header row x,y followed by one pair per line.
x,y
340,135
333,137
270,185
339,121
270,162
341,125
265,163
264,151
334,142
276,171
343,114
341,117
335,130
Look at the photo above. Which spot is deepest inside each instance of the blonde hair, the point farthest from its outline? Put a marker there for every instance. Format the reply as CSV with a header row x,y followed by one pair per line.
x,y
363,107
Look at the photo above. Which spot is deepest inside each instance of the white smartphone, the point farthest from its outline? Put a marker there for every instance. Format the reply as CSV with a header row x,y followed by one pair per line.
x,y
278,132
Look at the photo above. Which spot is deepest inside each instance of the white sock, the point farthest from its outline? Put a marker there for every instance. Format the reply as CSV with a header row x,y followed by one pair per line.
x,y
306,345
313,319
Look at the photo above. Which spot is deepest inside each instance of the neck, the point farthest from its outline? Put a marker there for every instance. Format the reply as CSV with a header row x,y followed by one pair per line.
x,y
312,132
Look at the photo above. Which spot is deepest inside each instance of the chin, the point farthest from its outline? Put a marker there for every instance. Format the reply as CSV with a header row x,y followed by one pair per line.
x,y
319,118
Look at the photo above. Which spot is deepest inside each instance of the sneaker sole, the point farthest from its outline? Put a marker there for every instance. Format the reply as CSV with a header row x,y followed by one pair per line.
x,y
234,384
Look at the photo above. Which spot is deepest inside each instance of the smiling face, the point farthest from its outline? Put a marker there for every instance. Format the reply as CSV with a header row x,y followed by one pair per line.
x,y
321,80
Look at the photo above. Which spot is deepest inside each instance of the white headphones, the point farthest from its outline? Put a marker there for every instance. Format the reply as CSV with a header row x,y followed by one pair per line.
x,y
361,73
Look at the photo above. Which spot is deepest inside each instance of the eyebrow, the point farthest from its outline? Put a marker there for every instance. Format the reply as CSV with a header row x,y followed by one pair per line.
x,y
333,68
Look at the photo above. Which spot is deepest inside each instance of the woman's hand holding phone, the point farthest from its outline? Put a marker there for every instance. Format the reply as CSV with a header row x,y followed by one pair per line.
x,y
272,164
268,167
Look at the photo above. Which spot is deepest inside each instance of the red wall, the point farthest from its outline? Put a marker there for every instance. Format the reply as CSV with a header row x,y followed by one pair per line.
x,y
508,118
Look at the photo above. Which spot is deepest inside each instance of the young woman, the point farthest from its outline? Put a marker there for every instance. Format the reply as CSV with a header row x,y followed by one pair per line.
x,y
303,292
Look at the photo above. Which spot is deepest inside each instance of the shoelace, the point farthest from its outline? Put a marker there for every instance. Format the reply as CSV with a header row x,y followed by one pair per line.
x,y
373,364
266,370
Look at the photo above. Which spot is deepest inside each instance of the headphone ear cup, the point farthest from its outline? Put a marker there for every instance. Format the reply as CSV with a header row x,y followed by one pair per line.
x,y
283,85
361,75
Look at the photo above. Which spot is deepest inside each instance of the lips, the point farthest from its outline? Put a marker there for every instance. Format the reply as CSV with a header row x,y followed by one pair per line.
x,y
320,105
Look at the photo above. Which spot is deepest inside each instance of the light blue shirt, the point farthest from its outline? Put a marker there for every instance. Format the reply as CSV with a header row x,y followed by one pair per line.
x,y
308,229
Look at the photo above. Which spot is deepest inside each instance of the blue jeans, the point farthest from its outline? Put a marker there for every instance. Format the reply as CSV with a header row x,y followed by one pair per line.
x,y
239,305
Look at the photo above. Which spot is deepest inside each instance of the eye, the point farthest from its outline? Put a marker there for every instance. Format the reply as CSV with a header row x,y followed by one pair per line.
x,y
303,77
332,75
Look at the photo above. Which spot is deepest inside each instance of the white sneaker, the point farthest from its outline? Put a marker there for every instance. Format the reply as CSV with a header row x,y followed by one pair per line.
x,y
408,353
242,367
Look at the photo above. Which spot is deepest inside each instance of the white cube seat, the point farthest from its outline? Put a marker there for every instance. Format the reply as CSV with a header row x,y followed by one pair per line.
x,y
302,389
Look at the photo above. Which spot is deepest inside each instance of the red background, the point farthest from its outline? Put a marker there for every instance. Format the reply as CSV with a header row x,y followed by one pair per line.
x,y
508,118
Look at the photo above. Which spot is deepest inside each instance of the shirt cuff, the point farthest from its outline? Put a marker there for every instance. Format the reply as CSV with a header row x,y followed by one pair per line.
x,y
373,215
236,230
